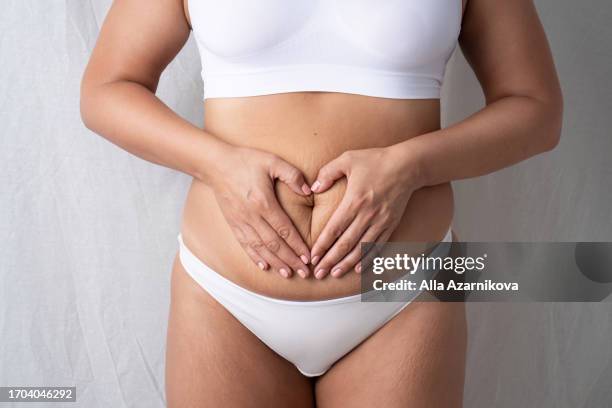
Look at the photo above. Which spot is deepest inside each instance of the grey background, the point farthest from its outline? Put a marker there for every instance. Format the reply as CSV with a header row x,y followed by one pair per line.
x,y
88,232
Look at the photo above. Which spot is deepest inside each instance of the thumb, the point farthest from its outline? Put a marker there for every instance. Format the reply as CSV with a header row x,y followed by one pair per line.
x,y
328,175
289,175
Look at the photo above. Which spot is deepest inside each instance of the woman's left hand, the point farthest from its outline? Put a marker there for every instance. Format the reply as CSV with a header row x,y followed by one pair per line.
x,y
380,182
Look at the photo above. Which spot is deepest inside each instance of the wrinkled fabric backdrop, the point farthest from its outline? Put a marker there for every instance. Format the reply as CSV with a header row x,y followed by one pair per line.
x,y
88,232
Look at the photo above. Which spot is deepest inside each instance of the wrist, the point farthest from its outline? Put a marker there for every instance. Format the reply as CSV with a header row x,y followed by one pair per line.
x,y
210,156
410,164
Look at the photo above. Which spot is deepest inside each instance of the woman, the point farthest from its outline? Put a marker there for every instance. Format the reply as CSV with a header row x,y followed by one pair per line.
x,y
322,131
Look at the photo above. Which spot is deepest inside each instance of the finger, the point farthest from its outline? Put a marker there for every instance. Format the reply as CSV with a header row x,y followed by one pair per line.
x,y
258,244
259,261
329,173
282,224
335,226
373,250
276,245
384,236
351,260
289,175
244,243
342,246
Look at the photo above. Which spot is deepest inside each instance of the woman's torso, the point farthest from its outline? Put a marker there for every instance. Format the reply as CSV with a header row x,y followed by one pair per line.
x,y
308,129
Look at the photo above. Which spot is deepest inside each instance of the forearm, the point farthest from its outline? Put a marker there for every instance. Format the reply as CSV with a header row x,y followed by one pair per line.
x,y
132,117
505,132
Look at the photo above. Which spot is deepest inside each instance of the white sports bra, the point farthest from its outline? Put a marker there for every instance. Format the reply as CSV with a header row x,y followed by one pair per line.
x,y
391,48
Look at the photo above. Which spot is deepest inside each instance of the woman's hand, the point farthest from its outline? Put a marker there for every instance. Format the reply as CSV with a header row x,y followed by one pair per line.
x,y
380,182
243,182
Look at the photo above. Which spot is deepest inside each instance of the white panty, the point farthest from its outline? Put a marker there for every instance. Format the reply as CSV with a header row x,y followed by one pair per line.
x,y
312,335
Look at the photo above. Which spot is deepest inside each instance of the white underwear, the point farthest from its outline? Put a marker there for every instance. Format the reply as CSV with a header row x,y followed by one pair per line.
x,y
312,335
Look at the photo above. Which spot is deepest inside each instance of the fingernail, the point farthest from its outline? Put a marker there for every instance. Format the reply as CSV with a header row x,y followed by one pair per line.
x,y
284,272
358,268
315,186
306,189
261,265
336,272
315,259
304,258
320,273
301,273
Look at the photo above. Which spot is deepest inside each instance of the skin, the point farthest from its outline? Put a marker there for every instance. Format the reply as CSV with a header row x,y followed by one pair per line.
x,y
307,132
383,168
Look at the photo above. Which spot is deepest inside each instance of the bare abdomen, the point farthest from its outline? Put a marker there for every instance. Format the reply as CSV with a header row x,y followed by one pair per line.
x,y
308,130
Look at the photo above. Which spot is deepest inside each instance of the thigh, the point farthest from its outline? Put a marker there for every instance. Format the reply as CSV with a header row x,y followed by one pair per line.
x,y
416,360
213,361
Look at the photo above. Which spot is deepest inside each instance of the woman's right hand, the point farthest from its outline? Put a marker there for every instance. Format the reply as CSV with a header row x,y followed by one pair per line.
x,y
243,182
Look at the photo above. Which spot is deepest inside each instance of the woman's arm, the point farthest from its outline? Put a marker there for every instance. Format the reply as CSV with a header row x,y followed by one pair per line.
x,y
506,46
138,40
